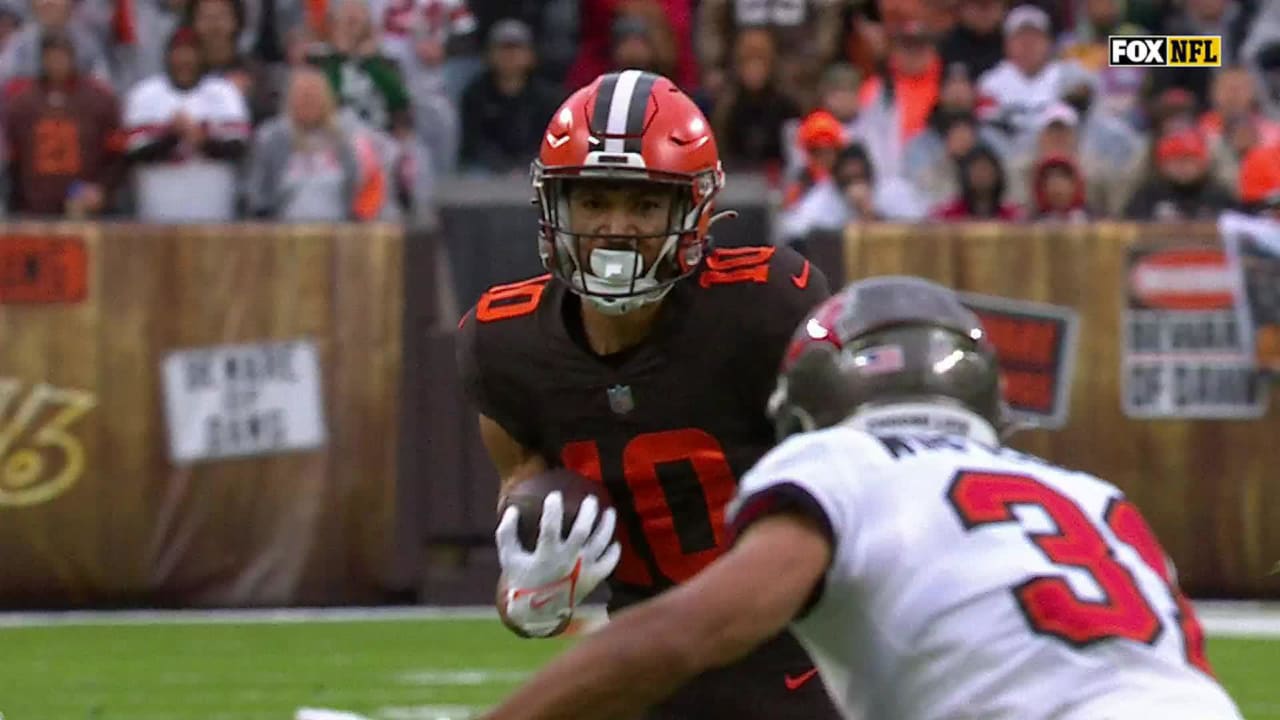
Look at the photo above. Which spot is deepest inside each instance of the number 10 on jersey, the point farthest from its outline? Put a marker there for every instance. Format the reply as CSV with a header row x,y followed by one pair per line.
x,y
682,539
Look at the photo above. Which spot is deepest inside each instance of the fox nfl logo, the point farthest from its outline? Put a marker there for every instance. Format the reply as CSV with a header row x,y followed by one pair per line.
x,y
1165,51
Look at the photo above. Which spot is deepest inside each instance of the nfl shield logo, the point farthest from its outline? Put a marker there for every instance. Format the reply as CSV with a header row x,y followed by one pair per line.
x,y
620,400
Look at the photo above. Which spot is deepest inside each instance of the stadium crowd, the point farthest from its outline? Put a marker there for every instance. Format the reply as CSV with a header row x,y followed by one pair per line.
x,y
329,110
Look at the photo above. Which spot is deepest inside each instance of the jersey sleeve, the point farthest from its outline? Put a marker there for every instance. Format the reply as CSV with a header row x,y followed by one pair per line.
x,y
796,286
806,477
146,114
484,386
769,314
802,475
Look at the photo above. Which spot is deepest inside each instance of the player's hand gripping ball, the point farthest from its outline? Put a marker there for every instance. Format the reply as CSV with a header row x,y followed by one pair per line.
x,y
555,544
529,496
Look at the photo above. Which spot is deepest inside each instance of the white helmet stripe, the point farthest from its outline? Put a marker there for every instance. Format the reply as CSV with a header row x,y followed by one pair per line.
x,y
620,109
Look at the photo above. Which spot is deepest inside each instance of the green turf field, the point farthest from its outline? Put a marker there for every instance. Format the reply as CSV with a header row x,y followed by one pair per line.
x,y
421,669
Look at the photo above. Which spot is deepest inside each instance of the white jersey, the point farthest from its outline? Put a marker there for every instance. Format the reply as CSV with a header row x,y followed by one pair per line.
x,y
187,187
970,582
1005,92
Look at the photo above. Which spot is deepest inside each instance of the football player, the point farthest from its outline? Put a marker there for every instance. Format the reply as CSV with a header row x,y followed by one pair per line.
x,y
643,360
932,573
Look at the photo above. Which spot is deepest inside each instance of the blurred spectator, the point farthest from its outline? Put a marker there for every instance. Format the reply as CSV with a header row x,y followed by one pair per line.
x,y
364,80
1058,188
839,93
1233,96
505,110
430,37
1233,124
820,137
976,40
1267,70
554,24
915,73
10,22
306,166
636,46
982,188
931,158
1227,18
1112,154
865,44
219,26
1174,109
187,133
146,26
839,96
806,32
1056,134
852,192
752,111
1015,93
1260,181
267,27
272,28
21,57
64,136
1261,54
1183,188
1119,89
668,22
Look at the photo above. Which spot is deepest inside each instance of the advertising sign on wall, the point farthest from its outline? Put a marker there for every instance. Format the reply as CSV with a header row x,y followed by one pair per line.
x,y
1185,352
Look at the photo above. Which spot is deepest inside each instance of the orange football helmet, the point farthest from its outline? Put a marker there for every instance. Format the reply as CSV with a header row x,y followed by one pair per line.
x,y
627,126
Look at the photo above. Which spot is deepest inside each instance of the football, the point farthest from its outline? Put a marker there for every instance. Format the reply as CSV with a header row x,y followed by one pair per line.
x,y
529,494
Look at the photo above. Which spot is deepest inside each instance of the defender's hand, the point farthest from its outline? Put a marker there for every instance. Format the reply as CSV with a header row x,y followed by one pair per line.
x,y
543,586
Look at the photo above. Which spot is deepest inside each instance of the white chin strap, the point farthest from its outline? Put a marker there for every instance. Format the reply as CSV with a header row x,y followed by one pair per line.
x,y
613,283
924,417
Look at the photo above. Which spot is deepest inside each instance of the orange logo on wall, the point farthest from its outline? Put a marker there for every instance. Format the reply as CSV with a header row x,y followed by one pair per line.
x,y
42,269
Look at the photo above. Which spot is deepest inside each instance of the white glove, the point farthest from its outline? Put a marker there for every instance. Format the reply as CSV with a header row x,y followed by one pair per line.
x,y
543,587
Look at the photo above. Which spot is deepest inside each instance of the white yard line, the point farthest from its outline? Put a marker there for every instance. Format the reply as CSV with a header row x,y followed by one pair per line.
x,y
426,712
1220,618
238,617
463,677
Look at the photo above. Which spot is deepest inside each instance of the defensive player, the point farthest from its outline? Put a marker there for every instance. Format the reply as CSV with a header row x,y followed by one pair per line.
x,y
643,360
932,573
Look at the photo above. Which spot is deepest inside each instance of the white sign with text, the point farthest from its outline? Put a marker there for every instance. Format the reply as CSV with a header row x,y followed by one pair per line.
x,y
243,400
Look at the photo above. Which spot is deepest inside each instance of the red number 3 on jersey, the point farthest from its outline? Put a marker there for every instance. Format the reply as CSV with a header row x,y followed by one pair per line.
x,y
1050,605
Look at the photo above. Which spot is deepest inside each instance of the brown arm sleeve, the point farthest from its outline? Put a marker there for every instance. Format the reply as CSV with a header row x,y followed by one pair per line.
x,y
110,172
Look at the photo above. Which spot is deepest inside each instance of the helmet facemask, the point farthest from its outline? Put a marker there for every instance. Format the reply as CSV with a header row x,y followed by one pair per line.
x,y
618,273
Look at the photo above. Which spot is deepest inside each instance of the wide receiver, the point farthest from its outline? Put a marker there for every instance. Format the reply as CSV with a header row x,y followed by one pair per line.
x,y
933,573
643,360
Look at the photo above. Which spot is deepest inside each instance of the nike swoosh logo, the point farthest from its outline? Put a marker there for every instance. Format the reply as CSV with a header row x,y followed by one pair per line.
x,y
802,279
794,682
539,602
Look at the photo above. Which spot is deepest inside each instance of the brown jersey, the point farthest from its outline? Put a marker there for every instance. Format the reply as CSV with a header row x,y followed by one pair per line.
x,y
58,137
669,425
